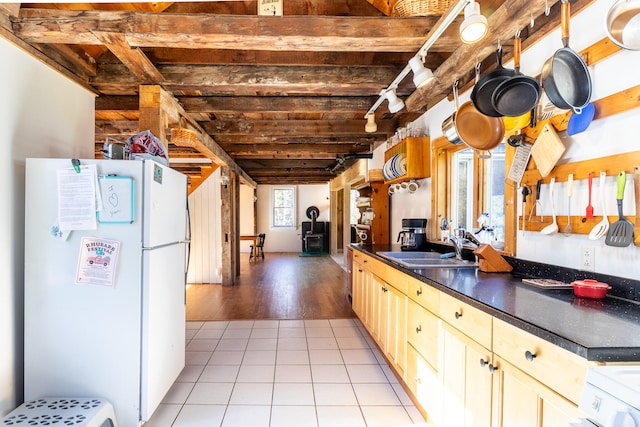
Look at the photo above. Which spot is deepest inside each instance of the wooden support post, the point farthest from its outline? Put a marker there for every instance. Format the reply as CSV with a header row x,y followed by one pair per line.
x,y
230,195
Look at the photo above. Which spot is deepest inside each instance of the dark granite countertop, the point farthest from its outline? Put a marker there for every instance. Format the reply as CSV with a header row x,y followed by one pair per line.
x,y
605,330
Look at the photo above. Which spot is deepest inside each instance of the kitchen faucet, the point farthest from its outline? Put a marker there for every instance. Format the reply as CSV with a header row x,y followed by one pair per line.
x,y
458,240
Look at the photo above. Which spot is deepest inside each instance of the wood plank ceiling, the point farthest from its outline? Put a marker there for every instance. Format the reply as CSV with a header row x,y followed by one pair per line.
x,y
286,96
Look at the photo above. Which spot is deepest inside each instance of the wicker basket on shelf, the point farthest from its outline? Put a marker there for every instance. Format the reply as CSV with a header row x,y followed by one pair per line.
x,y
182,136
408,8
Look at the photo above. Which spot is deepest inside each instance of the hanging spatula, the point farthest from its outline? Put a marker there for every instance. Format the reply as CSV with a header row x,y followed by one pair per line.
x,y
621,232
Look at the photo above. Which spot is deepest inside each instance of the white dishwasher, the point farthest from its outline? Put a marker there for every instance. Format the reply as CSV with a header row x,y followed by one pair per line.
x,y
611,397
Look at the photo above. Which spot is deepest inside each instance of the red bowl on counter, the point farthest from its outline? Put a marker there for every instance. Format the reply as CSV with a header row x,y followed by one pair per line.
x,y
589,288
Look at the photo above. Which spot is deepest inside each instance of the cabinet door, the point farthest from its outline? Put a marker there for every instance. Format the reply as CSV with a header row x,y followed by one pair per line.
x,y
424,383
396,348
361,291
522,401
377,318
467,380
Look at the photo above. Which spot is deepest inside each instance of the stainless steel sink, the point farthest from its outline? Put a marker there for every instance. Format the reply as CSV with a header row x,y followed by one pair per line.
x,y
426,260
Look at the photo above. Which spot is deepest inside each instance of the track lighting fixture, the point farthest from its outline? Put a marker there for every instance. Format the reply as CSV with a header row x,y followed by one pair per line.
x,y
474,27
371,125
421,74
395,103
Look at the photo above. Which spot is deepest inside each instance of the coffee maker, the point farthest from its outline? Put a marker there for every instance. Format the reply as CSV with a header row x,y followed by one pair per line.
x,y
413,236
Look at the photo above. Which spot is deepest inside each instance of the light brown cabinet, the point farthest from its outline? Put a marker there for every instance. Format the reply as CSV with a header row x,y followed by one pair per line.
x,y
463,366
415,153
524,401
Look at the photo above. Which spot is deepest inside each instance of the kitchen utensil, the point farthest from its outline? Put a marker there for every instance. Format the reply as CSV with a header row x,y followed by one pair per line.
x,y
547,150
537,206
568,229
553,227
589,288
636,187
623,24
580,122
518,94
520,161
601,228
621,232
483,90
589,212
545,109
525,192
565,76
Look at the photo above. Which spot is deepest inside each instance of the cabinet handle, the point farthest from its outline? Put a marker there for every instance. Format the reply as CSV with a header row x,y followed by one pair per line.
x,y
458,315
529,356
483,363
492,368
359,270
364,260
419,292
418,329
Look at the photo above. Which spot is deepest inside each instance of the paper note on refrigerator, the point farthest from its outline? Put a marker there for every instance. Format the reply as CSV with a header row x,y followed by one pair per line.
x,y
77,201
97,261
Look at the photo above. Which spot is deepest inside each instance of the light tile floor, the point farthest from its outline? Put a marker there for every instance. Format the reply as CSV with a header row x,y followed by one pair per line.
x,y
282,373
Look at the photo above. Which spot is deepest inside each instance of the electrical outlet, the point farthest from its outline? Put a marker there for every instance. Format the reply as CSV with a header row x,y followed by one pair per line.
x,y
587,260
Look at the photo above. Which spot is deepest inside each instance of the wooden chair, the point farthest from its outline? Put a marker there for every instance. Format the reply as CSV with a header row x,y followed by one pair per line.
x,y
258,251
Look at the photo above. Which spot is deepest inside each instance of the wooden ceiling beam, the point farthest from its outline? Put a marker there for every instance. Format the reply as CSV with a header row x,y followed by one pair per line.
x,y
226,140
294,127
267,130
287,33
230,80
293,151
133,58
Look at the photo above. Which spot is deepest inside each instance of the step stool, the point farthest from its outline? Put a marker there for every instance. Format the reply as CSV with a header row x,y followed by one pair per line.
x,y
63,412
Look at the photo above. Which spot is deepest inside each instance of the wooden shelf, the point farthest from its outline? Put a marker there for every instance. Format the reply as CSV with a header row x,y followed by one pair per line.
x,y
611,165
417,152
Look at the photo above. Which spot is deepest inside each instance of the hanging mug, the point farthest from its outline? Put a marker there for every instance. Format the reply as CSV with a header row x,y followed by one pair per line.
x,y
412,187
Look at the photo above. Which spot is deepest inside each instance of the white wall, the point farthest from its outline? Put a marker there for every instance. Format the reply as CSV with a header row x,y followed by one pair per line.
x,y
288,240
43,115
246,215
406,205
205,207
613,135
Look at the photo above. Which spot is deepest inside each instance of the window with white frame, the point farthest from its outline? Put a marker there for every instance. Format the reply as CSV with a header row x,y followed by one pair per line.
x,y
284,207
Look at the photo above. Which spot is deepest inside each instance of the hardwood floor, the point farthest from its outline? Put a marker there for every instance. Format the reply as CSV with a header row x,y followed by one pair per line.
x,y
283,286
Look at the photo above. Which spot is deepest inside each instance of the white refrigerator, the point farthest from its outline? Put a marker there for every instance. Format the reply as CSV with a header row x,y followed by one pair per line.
x,y
124,341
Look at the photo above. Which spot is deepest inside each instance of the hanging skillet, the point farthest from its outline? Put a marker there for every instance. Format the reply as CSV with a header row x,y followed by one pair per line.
x,y
483,89
519,94
565,77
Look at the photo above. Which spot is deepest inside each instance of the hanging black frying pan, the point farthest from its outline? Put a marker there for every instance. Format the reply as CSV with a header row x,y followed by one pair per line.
x,y
565,77
483,90
519,94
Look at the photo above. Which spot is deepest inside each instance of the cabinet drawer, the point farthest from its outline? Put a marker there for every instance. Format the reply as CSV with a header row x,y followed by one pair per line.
x,y
559,369
469,320
395,278
425,295
423,332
